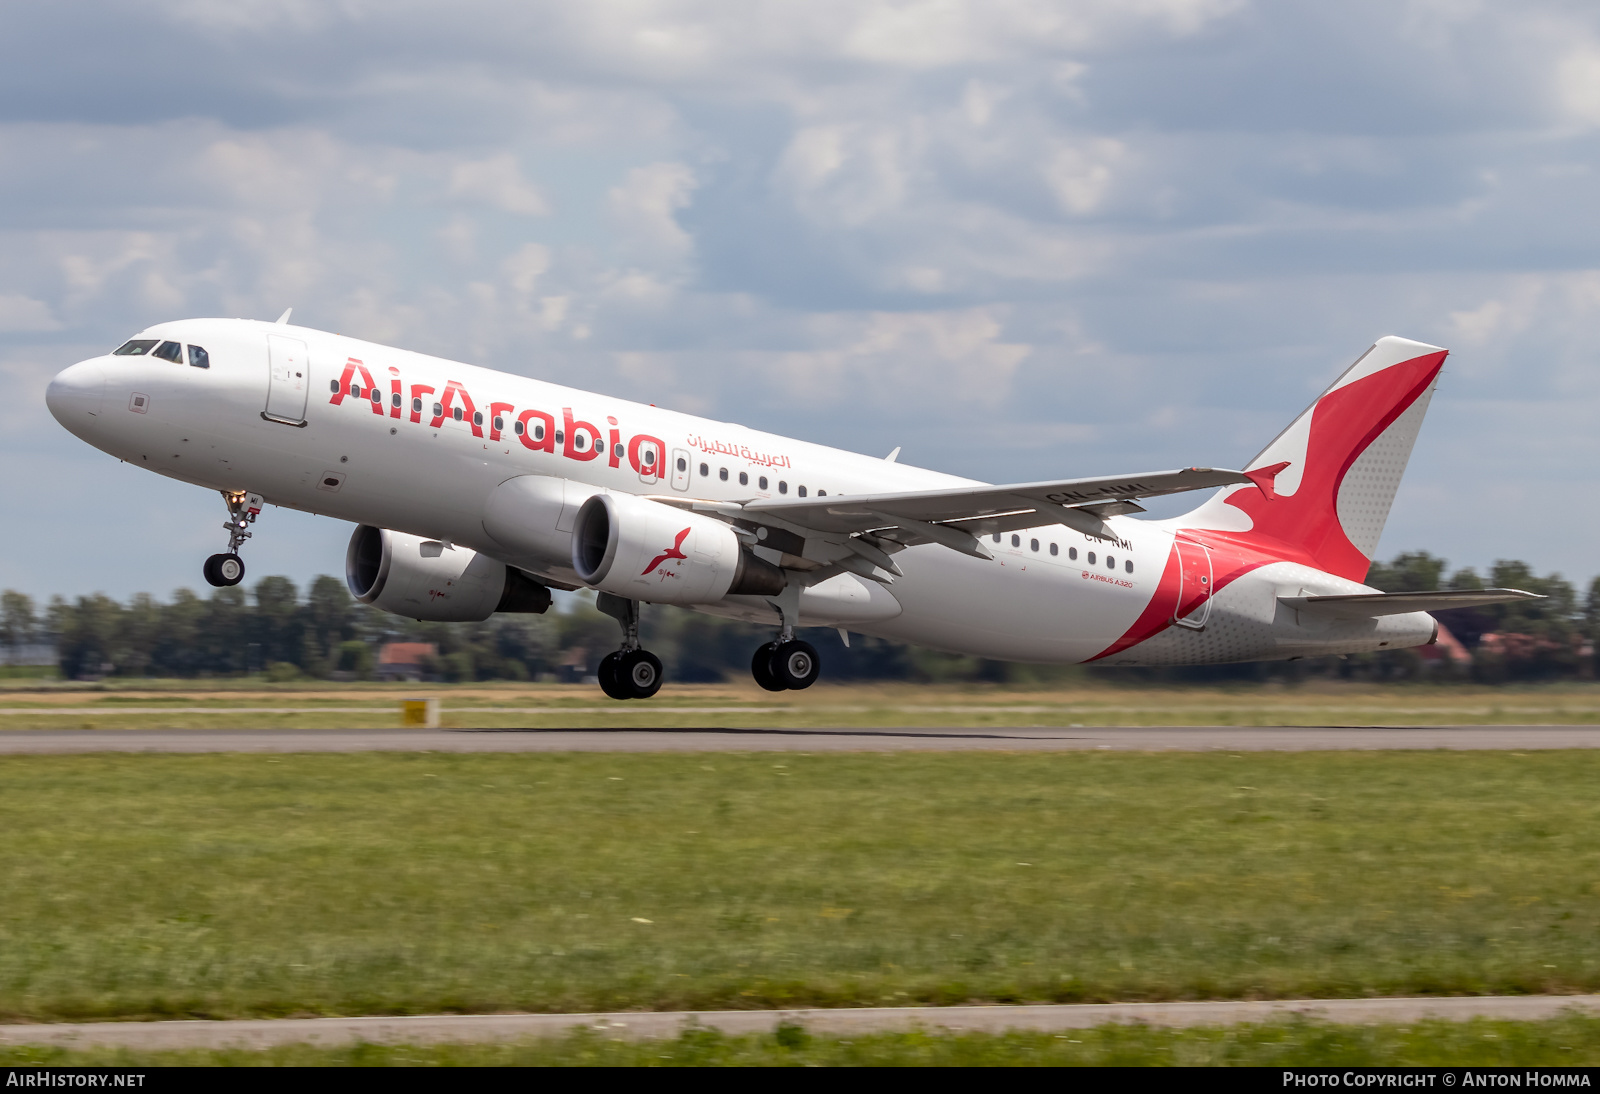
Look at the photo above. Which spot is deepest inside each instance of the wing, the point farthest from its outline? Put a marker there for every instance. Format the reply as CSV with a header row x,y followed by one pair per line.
x,y
1368,605
863,512
859,532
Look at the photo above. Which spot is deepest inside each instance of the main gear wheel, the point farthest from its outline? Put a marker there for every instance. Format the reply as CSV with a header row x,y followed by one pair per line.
x,y
795,664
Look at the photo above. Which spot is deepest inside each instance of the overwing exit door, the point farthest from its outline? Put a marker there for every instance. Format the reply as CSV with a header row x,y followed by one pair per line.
x,y
1194,584
288,372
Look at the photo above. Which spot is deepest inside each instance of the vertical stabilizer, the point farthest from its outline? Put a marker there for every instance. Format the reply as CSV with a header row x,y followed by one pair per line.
x,y
1328,481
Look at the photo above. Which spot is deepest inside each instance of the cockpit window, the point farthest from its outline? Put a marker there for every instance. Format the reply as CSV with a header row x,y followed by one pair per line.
x,y
170,351
136,347
199,358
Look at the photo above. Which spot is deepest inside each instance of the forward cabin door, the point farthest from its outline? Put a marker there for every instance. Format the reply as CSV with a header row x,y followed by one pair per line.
x,y
1194,584
288,373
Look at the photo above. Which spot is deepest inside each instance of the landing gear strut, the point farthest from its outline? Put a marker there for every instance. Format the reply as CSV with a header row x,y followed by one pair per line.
x,y
631,672
228,568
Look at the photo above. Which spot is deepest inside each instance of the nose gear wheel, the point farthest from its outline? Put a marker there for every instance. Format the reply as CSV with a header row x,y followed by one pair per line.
x,y
224,570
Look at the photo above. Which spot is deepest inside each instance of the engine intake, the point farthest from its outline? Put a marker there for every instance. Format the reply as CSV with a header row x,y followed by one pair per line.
x,y
426,579
644,550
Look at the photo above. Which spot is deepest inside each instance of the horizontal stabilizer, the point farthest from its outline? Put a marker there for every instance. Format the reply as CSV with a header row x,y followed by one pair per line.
x,y
1368,605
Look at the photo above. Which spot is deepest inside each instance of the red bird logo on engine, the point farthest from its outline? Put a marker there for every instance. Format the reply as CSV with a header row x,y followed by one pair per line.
x,y
672,552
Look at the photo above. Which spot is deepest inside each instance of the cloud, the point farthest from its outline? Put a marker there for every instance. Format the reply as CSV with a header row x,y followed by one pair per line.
x,y
1022,235
644,207
498,183
23,313
950,360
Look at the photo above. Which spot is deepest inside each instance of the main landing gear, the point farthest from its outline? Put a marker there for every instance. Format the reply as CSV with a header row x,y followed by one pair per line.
x,y
786,665
228,568
631,672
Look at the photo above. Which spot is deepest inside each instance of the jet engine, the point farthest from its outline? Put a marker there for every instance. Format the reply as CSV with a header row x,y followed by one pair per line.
x,y
644,550
438,582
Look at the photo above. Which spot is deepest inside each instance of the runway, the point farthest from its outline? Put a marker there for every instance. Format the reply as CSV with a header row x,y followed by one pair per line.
x,y
936,739
643,1025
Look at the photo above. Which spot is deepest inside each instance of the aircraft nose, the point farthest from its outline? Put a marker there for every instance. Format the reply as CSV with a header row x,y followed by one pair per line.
x,y
76,393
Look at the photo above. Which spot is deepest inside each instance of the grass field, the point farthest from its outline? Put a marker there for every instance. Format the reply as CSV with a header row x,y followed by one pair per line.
x,y
236,885
252,704
1567,1041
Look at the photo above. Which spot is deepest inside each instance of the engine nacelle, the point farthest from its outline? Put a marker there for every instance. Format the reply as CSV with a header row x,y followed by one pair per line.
x,y
644,550
532,515
426,579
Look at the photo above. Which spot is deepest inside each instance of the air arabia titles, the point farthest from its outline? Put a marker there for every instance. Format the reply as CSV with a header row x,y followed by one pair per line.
x,y
537,430
737,452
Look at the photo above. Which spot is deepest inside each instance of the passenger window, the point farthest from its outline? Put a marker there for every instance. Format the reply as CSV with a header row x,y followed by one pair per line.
x,y
599,445
1111,563
333,386
683,464
377,396
1033,545
1016,541
722,473
580,442
438,410
394,400
416,406
801,491
783,487
1055,550
538,431
822,493
1128,565
762,482
498,424
137,347
457,413
199,358
355,391
1072,553
561,438
705,471
1091,558
170,351
744,479
477,417
995,537
517,427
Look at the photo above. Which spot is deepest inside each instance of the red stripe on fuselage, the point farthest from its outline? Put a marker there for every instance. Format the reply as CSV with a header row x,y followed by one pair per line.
x,y
1230,560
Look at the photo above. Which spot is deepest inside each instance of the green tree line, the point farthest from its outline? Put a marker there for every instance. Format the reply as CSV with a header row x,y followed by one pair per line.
x,y
273,630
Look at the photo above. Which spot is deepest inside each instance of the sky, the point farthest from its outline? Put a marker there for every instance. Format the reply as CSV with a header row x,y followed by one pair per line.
x,y
1021,240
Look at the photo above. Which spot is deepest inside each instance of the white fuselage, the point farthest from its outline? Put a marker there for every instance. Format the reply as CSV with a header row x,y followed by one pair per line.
x,y
419,472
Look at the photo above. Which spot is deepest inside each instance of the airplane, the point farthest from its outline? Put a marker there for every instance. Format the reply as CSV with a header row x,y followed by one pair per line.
x,y
475,491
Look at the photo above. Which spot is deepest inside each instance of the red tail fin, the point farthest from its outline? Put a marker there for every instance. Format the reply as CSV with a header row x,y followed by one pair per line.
x,y
1338,465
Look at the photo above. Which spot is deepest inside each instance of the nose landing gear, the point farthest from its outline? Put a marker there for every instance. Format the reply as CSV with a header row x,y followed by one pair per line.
x,y
227,568
631,672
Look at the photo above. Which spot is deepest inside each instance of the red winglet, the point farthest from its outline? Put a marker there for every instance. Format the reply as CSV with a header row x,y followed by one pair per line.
x,y
1263,477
